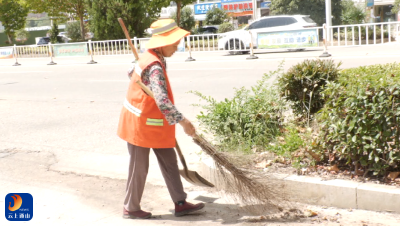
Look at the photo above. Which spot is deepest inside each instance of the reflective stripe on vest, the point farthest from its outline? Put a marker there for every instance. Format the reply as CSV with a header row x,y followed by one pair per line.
x,y
131,108
155,122
138,70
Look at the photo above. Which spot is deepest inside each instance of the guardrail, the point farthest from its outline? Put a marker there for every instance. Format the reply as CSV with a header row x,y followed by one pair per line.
x,y
342,35
364,34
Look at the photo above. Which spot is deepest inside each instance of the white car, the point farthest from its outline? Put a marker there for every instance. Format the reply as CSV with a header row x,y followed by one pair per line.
x,y
64,34
239,41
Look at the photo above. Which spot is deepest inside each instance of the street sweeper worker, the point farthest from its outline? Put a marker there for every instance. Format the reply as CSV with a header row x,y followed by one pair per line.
x,y
150,123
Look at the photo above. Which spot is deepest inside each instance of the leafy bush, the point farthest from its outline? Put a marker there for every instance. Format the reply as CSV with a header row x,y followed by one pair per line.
x,y
74,31
21,35
216,16
352,13
302,84
378,33
292,143
225,27
242,26
251,119
360,120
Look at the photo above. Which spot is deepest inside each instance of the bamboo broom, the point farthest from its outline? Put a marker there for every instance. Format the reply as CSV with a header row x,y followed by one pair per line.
x,y
255,195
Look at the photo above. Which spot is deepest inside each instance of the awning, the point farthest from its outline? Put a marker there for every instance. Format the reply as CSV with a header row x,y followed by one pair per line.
x,y
237,14
378,3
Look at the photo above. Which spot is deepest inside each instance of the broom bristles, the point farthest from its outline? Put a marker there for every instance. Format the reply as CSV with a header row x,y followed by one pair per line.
x,y
248,191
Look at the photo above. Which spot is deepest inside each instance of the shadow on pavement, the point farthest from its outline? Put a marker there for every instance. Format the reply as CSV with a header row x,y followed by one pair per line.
x,y
229,214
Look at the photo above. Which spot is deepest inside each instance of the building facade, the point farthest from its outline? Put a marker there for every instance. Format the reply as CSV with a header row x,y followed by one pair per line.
x,y
379,10
240,10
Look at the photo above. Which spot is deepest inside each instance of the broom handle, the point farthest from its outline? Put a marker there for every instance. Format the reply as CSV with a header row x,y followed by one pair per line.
x,y
121,22
178,149
183,161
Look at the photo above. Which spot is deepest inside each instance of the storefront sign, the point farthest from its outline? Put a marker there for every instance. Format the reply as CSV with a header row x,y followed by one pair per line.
x,y
238,7
71,50
6,53
370,3
288,39
227,1
204,8
265,5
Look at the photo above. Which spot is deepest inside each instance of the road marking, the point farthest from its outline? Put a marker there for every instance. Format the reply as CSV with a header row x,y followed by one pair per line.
x,y
23,72
211,69
110,80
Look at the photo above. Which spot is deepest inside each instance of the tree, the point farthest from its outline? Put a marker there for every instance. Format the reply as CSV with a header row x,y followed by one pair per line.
x,y
78,8
187,18
314,8
56,9
12,16
396,7
137,15
53,33
216,16
59,8
352,14
73,31
179,5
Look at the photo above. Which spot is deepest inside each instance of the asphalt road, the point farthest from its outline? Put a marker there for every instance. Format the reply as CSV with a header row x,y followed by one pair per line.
x,y
58,135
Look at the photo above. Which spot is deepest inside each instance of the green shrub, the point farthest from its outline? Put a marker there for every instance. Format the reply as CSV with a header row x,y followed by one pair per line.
x,y
302,84
225,27
251,119
360,120
352,13
54,33
241,26
21,35
378,33
291,143
74,31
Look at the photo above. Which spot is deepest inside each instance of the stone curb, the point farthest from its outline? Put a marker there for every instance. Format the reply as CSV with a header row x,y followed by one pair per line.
x,y
333,193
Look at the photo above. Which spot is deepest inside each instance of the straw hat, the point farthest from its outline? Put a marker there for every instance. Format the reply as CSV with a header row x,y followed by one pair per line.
x,y
165,32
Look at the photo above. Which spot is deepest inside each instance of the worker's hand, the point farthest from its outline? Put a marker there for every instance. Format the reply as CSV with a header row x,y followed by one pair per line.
x,y
188,127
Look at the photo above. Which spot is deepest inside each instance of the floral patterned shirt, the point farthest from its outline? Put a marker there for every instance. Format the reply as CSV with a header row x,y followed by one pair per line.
x,y
153,77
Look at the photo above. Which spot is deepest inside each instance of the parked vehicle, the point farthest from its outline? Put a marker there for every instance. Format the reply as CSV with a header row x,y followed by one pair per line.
x,y
238,41
89,35
46,40
209,29
64,35
43,41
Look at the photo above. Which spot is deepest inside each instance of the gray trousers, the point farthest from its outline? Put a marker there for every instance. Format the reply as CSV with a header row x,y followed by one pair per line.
x,y
138,168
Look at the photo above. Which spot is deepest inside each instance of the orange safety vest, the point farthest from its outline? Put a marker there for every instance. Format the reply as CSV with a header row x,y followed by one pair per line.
x,y
141,122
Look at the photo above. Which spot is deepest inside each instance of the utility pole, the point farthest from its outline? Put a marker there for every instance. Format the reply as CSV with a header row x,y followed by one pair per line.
x,y
254,2
328,10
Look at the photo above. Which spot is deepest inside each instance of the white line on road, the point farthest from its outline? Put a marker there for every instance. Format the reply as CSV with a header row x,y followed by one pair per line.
x,y
110,80
209,69
23,72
